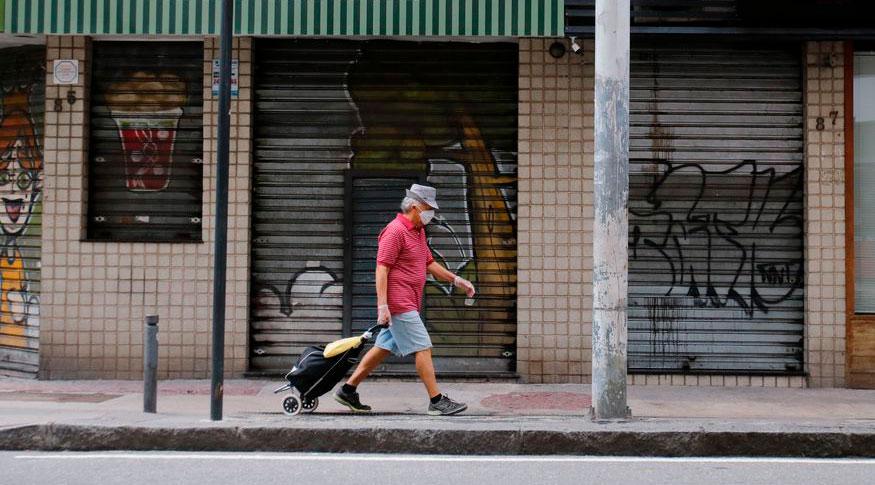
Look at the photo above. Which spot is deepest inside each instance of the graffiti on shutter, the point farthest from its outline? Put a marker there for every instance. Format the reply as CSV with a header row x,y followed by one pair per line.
x,y
716,238
146,157
445,112
22,104
372,200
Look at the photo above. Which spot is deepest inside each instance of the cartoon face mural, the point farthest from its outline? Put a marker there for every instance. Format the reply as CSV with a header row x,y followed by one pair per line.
x,y
20,164
21,172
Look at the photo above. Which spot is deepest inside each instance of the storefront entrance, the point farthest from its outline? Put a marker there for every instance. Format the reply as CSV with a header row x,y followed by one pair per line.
x,y
22,108
716,207
341,128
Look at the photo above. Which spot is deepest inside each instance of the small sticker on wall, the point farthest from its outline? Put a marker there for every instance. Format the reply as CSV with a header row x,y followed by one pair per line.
x,y
66,71
235,77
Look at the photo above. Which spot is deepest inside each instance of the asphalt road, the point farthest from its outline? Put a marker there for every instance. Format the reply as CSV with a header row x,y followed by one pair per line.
x,y
268,468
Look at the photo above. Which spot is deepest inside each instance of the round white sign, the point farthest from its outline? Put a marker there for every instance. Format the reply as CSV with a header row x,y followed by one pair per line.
x,y
66,71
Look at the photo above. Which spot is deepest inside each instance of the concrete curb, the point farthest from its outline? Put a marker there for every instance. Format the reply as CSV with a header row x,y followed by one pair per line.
x,y
65,437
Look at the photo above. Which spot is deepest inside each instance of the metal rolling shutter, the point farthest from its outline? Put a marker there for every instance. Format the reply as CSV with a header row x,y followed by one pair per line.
x,y
716,235
369,111
372,201
145,177
22,107
303,123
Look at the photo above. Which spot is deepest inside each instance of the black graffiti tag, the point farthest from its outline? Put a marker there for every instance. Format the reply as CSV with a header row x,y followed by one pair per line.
x,y
725,236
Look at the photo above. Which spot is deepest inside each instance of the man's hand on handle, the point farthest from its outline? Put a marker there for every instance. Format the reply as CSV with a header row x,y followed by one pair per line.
x,y
383,315
465,285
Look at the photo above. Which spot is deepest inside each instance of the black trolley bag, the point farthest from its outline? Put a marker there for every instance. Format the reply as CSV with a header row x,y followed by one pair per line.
x,y
313,374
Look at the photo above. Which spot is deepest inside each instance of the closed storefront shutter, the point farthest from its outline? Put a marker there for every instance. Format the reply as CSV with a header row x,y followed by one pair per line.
x,y
22,107
146,157
716,235
372,202
342,127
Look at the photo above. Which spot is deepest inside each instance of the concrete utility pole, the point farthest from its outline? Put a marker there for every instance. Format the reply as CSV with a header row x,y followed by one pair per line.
x,y
611,228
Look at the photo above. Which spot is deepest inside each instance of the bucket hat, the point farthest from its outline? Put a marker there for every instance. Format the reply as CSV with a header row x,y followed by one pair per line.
x,y
424,194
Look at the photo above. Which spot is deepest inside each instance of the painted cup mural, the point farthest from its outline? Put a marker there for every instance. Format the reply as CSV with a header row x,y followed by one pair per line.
x,y
145,155
147,109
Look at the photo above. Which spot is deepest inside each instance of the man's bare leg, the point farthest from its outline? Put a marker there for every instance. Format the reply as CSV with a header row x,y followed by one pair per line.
x,y
370,362
425,369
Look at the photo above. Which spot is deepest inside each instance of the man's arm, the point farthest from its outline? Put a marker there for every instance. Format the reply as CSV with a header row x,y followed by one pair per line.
x,y
443,274
383,315
439,272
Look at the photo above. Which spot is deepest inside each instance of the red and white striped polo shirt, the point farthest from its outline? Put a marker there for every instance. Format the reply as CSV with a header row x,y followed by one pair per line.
x,y
403,248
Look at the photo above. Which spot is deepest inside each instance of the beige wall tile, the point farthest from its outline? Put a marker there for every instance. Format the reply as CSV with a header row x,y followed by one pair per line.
x,y
555,213
96,294
825,219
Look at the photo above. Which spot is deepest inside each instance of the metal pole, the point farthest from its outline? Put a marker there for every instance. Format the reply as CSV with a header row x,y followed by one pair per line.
x,y
611,226
150,365
221,234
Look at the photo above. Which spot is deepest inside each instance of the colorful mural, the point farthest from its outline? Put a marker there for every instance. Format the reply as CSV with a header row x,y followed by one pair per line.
x,y
376,116
147,108
21,172
145,166
452,119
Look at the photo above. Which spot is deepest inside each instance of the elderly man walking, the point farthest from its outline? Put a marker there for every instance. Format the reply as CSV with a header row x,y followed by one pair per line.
x,y
403,259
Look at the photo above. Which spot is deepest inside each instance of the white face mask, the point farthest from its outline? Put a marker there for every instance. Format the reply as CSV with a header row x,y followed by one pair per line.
x,y
426,216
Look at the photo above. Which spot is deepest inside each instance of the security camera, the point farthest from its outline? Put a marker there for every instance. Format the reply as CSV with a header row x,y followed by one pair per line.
x,y
575,46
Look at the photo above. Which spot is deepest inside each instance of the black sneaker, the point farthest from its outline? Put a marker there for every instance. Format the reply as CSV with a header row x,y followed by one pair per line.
x,y
351,400
446,407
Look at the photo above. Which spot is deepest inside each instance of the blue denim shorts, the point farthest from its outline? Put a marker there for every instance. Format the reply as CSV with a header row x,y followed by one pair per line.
x,y
406,336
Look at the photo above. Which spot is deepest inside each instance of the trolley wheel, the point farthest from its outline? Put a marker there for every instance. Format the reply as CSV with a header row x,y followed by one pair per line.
x,y
310,405
291,405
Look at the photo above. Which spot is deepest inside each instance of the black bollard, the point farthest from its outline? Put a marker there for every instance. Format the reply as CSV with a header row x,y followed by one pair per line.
x,y
150,365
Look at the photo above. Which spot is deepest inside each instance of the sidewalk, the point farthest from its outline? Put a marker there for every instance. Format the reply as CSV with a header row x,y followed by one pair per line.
x,y
502,418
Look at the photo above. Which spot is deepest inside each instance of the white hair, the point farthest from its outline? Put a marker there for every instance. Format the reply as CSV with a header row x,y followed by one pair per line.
x,y
408,204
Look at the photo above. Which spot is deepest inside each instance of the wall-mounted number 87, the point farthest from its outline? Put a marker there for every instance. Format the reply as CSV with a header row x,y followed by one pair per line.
x,y
833,115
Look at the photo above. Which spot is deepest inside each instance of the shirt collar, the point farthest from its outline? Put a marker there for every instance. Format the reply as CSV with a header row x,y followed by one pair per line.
x,y
407,223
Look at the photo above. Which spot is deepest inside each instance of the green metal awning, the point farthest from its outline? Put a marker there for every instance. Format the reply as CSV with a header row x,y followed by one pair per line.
x,y
514,18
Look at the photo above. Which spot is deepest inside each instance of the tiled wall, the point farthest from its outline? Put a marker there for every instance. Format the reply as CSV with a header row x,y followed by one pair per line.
x,y
555,220
825,216
717,380
96,294
554,309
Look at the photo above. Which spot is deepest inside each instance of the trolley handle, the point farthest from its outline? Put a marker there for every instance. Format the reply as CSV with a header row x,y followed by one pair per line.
x,y
369,333
378,326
